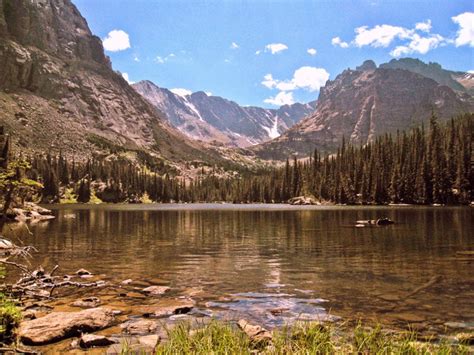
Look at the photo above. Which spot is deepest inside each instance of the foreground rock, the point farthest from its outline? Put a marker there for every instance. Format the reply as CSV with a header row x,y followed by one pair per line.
x,y
61,325
141,345
256,333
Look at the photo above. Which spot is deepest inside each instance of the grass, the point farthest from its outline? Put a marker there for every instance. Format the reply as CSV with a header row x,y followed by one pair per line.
x,y
304,338
10,316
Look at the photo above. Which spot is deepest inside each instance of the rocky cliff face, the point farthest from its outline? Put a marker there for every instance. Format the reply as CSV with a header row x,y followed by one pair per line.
x,y
364,103
215,119
58,90
458,81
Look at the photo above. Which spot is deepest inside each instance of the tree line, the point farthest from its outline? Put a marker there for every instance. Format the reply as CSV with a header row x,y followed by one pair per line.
x,y
424,166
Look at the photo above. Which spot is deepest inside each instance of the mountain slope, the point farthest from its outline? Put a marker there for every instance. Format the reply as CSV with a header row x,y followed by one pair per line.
x,y
215,119
58,90
459,81
364,103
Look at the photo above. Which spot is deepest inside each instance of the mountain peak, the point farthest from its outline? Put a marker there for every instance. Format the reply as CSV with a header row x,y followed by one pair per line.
x,y
367,65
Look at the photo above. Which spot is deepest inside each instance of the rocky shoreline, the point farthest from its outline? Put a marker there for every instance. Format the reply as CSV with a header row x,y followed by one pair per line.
x,y
138,316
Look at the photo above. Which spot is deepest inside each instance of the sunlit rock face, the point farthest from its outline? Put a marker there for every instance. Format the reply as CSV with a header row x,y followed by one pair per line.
x,y
215,119
364,103
58,90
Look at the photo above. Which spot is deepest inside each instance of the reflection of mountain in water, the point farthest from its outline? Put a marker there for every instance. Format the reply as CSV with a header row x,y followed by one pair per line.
x,y
309,254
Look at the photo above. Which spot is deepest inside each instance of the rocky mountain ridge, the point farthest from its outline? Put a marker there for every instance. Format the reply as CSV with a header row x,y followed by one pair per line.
x,y
456,80
59,91
218,120
364,103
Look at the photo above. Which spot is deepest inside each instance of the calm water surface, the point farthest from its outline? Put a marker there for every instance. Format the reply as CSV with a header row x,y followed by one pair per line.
x,y
307,259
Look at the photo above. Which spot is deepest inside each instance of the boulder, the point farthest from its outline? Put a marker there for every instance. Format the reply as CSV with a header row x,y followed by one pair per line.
x,y
92,341
256,333
61,325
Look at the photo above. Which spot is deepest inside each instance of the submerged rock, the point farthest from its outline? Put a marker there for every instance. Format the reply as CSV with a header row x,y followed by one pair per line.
x,y
61,325
92,340
168,308
89,302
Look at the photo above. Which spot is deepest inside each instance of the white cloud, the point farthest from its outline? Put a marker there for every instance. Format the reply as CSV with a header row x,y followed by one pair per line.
x,y
380,35
116,40
163,60
208,93
269,82
282,98
418,39
136,58
227,60
465,34
419,44
234,45
423,26
307,78
125,76
258,52
310,78
275,47
311,51
470,71
181,92
336,41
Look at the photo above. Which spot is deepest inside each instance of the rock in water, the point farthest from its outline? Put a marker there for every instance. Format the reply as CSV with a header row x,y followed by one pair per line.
x,y
156,290
83,272
92,340
61,325
89,302
302,200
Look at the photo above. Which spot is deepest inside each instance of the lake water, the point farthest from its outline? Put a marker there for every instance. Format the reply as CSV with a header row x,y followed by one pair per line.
x,y
273,262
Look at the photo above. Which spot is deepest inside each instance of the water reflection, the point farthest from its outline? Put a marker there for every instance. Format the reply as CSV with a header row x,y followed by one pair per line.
x,y
315,253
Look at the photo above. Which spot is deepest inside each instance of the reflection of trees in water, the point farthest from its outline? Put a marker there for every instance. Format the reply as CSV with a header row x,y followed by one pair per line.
x,y
251,248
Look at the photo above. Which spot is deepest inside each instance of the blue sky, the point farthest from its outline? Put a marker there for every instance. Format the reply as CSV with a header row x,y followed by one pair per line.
x,y
256,52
